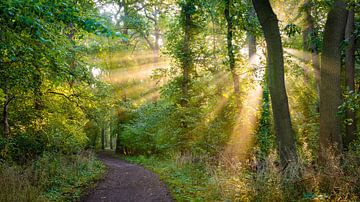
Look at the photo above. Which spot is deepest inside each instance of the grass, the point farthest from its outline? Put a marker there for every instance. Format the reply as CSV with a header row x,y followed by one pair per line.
x,y
52,177
191,180
186,181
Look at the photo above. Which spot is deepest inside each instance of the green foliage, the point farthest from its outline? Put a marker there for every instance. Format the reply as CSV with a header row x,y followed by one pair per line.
x,y
52,177
151,130
65,178
264,133
291,30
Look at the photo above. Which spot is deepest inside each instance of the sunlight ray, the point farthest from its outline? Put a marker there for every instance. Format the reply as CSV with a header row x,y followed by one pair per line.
x,y
242,138
304,56
141,72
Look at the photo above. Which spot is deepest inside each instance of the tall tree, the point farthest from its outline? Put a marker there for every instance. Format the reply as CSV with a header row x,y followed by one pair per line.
x,y
350,75
275,62
230,47
187,8
330,90
309,40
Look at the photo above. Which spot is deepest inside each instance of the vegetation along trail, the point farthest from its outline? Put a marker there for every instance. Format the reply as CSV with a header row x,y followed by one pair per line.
x,y
127,182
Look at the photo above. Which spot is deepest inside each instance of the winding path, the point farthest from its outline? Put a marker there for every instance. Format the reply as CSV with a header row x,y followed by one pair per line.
x,y
126,182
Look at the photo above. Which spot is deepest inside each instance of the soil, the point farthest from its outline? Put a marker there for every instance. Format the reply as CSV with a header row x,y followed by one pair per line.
x,y
125,182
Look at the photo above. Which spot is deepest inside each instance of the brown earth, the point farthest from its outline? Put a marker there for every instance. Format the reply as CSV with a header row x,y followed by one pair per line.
x,y
125,182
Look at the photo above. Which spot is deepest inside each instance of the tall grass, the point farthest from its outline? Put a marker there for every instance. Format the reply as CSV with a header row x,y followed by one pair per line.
x,y
52,177
200,179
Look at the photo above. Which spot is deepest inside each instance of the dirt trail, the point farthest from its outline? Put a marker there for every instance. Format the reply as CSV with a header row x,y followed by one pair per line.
x,y
127,182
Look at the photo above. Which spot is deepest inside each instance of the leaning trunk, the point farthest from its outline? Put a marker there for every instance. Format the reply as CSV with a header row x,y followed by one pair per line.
x,y
275,61
330,90
350,76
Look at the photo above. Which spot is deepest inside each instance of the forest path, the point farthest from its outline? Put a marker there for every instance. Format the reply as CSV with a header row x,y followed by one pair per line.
x,y
125,182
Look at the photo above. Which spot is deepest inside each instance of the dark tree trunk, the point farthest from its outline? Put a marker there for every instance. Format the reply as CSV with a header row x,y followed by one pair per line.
x,y
330,91
230,49
275,61
350,76
309,37
118,147
103,138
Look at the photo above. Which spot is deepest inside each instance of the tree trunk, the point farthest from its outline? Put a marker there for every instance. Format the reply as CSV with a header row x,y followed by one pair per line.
x,y
5,119
309,36
186,59
125,20
118,147
111,137
230,49
102,138
157,38
330,91
252,46
275,61
350,76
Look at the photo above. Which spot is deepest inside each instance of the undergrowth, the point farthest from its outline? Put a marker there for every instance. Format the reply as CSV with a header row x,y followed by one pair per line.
x,y
191,179
52,177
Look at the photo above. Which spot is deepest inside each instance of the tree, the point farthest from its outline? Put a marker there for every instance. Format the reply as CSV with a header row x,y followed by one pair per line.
x,y
230,47
275,62
187,9
350,76
309,41
330,90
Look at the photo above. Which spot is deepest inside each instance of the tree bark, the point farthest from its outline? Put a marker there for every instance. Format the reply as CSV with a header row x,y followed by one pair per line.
x,y
309,36
102,138
230,49
275,61
330,91
350,75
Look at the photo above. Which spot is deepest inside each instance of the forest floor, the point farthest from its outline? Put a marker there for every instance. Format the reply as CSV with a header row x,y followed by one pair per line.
x,y
127,182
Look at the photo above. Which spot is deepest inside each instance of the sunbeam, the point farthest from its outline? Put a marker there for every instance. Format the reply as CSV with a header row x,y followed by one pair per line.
x,y
242,140
141,72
